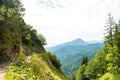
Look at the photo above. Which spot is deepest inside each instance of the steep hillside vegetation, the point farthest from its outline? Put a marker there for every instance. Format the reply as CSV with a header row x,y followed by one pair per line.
x,y
71,53
106,64
23,46
9,34
44,66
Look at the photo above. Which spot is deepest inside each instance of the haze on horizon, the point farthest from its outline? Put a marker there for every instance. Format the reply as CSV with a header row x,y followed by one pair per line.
x,y
65,20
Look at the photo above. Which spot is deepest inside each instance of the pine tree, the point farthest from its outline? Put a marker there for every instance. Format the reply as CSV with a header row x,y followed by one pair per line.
x,y
109,30
84,60
113,50
117,36
81,75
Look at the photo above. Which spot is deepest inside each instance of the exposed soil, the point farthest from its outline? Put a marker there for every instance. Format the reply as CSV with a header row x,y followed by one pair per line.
x,y
3,68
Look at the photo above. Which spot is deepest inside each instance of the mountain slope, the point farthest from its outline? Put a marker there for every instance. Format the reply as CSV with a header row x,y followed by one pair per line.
x,y
22,46
75,42
37,67
71,53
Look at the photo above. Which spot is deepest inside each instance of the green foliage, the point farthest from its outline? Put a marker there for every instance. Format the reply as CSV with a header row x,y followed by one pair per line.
x,y
9,33
31,39
109,76
80,74
54,60
113,59
72,77
15,4
19,70
94,69
117,36
106,64
15,37
109,30
84,60
97,66
36,68
14,31
42,39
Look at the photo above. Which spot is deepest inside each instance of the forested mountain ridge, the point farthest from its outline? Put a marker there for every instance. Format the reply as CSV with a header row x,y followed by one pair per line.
x,y
70,43
71,53
23,46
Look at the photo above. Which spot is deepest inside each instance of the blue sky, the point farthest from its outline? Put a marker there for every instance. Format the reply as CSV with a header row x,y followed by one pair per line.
x,y
64,20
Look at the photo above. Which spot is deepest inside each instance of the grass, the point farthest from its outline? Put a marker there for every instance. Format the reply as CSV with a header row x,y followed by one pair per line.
x,y
38,68
109,76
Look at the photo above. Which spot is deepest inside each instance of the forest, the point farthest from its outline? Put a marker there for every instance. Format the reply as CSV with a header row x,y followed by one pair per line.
x,y
106,64
23,48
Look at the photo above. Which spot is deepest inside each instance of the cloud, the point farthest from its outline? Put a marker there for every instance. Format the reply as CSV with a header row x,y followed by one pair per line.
x,y
50,3
64,20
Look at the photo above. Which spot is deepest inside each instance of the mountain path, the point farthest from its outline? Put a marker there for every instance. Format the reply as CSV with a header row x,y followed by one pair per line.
x,y
28,58
3,69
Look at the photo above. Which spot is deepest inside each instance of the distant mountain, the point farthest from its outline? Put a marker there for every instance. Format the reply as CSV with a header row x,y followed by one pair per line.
x,y
89,42
70,53
75,42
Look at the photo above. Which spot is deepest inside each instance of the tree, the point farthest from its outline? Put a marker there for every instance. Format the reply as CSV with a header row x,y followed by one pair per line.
x,y
10,38
113,59
54,60
97,66
15,4
117,36
42,39
72,77
84,60
81,71
109,30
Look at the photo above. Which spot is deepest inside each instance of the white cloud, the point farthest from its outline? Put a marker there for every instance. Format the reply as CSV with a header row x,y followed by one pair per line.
x,y
64,20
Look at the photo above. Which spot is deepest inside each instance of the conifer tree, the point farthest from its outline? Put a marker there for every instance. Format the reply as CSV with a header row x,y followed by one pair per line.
x,y
117,36
109,30
84,60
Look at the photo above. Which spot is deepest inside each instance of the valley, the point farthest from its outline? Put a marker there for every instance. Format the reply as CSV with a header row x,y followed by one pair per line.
x,y
23,51
71,53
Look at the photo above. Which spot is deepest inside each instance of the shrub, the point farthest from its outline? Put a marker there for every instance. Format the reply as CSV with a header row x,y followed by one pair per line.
x,y
54,60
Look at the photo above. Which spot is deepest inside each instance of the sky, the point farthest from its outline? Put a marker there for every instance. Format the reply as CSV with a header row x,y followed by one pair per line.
x,y
65,20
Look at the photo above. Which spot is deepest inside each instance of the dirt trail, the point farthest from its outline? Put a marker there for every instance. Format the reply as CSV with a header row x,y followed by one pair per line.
x,y
28,58
3,68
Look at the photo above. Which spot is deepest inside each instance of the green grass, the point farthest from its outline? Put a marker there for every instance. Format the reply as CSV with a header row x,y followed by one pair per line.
x,y
109,76
37,68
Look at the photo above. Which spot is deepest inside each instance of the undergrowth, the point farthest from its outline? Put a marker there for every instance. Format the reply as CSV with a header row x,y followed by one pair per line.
x,y
39,67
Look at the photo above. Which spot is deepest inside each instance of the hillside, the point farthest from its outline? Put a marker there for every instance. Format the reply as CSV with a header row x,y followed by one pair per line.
x,y
22,47
106,63
71,53
44,66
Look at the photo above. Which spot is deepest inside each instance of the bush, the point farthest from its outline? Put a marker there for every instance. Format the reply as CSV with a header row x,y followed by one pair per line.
x,y
54,60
